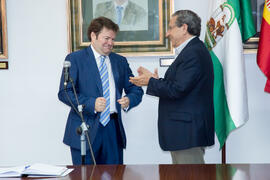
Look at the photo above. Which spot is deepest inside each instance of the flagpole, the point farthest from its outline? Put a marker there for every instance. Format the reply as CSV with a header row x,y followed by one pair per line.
x,y
224,154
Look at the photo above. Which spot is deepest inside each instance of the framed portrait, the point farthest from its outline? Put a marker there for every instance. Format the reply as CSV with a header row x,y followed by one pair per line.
x,y
142,23
3,31
251,45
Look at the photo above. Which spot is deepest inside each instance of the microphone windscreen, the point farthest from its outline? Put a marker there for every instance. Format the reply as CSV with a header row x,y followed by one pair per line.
x,y
67,64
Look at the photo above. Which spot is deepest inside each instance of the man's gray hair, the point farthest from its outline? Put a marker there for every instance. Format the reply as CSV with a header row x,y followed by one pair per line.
x,y
189,18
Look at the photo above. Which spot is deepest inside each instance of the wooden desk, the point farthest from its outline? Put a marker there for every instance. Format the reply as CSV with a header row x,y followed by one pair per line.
x,y
168,172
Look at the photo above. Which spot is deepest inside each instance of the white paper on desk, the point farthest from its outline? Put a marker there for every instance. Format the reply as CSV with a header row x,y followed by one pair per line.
x,y
11,171
62,175
44,170
35,170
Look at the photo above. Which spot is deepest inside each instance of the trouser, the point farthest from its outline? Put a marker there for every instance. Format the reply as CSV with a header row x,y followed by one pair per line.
x,y
106,146
188,156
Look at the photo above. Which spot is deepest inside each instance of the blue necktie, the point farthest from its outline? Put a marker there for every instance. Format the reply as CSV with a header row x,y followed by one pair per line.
x,y
119,10
105,115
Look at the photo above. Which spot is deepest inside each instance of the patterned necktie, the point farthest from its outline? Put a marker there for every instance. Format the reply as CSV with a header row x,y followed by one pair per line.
x,y
119,10
105,115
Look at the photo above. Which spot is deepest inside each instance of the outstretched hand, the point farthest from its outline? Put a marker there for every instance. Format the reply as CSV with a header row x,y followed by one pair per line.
x,y
144,77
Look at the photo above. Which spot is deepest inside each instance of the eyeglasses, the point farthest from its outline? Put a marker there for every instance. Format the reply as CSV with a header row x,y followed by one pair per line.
x,y
171,27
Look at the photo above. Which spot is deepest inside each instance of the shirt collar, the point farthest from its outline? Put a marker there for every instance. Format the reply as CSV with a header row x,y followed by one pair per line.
x,y
182,46
123,5
96,54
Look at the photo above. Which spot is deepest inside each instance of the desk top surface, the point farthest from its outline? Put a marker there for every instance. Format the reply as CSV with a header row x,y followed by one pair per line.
x,y
167,172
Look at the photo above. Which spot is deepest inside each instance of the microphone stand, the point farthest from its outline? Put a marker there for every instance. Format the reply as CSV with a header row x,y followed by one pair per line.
x,y
83,129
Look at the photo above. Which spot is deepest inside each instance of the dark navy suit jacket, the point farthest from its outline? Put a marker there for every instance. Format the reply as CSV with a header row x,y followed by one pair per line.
x,y
186,113
85,74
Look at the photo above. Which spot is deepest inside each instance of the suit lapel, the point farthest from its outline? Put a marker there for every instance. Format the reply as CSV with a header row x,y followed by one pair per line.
x,y
94,69
129,16
111,13
190,43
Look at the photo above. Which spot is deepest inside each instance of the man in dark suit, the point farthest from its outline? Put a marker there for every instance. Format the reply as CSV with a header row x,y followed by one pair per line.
x,y
186,113
100,77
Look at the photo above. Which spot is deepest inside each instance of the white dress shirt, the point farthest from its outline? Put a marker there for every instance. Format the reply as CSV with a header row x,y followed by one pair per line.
x,y
111,79
182,46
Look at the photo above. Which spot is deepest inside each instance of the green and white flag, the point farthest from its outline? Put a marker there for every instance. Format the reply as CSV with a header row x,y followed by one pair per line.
x,y
224,41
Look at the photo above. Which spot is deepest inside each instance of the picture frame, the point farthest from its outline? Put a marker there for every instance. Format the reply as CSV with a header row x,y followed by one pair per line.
x,y
251,45
3,31
3,64
147,38
166,61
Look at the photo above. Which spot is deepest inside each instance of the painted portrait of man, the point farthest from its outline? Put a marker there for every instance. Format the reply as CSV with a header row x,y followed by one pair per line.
x,y
129,15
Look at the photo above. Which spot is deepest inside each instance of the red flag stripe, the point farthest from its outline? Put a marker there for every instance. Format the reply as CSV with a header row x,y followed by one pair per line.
x,y
267,86
263,55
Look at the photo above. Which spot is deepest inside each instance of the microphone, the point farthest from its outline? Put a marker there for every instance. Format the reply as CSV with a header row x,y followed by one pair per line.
x,y
67,65
83,129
